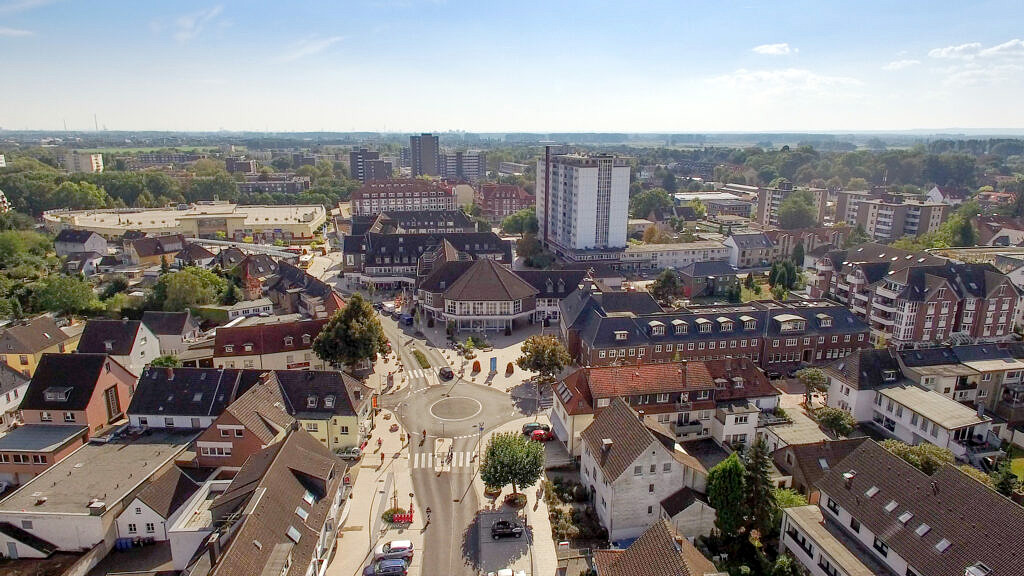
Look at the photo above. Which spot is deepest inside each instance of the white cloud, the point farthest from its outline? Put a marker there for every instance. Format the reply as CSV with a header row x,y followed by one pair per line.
x,y
781,49
900,64
988,75
22,5
308,47
14,32
782,80
975,50
191,25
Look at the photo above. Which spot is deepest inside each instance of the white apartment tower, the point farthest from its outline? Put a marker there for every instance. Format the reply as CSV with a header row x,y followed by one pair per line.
x,y
75,161
582,202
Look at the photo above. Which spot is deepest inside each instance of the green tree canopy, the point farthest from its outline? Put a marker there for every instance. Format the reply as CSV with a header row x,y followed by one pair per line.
x,y
545,355
666,287
191,286
797,211
522,222
353,334
925,457
64,294
166,361
760,501
643,203
1004,480
840,422
727,495
512,458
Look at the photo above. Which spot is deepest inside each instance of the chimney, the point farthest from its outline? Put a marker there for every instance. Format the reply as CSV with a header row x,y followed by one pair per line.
x,y
606,445
981,410
848,478
640,415
935,488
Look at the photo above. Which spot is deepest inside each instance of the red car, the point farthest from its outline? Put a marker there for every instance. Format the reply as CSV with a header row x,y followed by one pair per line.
x,y
541,435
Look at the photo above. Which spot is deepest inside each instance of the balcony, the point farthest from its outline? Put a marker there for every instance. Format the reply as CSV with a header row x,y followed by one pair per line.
x,y
886,293
689,428
881,320
883,305
862,296
684,406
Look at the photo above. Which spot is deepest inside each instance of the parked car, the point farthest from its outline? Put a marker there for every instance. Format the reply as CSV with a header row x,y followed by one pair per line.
x,y
773,375
529,427
446,373
507,572
541,435
387,567
401,549
506,529
353,453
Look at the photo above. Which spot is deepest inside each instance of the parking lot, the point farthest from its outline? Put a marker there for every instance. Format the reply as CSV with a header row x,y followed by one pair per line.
x,y
509,552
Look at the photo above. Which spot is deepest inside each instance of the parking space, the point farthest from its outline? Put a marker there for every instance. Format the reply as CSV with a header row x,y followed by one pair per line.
x,y
508,552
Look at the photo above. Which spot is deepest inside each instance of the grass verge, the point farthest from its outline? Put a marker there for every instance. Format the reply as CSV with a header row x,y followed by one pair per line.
x,y
421,358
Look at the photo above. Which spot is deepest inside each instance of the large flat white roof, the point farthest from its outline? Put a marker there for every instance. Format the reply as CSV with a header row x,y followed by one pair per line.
x,y
145,218
940,409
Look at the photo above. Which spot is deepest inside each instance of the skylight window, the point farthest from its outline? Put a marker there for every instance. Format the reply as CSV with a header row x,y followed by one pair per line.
x,y
891,506
871,491
943,545
294,534
922,529
823,463
197,397
905,517
309,497
301,513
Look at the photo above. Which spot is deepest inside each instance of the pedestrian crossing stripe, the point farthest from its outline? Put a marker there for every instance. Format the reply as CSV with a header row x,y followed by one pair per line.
x,y
416,374
460,459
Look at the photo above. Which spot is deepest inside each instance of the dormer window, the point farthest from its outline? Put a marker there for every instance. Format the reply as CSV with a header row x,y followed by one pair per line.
x,y
229,348
621,335
724,324
57,393
329,402
248,347
657,328
306,338
288,340
889,375
311,401
550,285
680,326
108,345
703,325
737,382
824,320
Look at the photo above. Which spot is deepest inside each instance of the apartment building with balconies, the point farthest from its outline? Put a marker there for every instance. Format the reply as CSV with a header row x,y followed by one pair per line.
x,y
770,199
913,298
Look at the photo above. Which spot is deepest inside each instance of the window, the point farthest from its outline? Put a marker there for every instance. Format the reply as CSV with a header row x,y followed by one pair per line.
x,y
143,421
653,469
169,422
855,525
224,432
133,529
69,416
741,419
881,547
662,398
312,427
833,506
150,528
343,429
638,470
650,488
650,509
46,417
238,432
667,467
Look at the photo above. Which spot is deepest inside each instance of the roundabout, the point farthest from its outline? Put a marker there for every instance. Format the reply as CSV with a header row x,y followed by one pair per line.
x,y
456,408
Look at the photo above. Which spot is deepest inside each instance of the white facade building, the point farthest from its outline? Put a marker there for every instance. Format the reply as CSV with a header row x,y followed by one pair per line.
x,y
582,201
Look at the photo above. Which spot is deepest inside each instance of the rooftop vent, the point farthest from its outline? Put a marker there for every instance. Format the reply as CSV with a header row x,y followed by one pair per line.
x,y
871,491
606,444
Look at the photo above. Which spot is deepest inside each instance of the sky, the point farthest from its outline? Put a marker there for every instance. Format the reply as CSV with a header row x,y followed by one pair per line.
x,y
514,66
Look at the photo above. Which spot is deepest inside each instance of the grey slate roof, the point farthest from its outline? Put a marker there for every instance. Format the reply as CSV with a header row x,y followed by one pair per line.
x,y
486,279
120,333
72,236
298,386
864,368
757,240
977,523
708,268
561,282
39,437
78,372
167,323
10,378
187,391
167,492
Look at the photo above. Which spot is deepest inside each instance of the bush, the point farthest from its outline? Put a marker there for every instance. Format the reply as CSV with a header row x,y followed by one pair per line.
x,y
421,358
389,514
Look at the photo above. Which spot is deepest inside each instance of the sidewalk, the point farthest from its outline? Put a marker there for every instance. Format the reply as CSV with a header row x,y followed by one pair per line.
x,y
542,558
367,502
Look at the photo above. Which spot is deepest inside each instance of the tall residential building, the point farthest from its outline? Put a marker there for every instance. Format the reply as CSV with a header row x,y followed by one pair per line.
x,y
887,217
770,199
367,166
582,202
75,161
424,155
468,165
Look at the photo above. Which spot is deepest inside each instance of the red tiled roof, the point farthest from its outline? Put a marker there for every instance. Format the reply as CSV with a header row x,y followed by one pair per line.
x,y
266,338
755,383
611,381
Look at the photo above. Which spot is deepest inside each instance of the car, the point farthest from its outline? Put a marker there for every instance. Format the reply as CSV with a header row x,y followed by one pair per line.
x,y
401,549
506,529
353,453
387,567
541,435
446,373
529,427
378,306
773,375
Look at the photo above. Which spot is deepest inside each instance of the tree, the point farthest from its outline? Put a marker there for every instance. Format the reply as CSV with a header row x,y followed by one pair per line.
x,y
230,295
813,380
797,211
669,182
64,294
964,233
784,566
857,184
512,458
352,335
726,494
798,254
925,457
748,282
166,361
698,207
840,422
785,498
1004,480
666,286
545,355
858,236
652,235
760,502
528,246
647,201
522,222
187,287
165,267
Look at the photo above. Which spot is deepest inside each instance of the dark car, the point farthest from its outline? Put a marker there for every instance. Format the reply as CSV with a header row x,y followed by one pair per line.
x,y
529,427
445,373
388,567
506,529
773,375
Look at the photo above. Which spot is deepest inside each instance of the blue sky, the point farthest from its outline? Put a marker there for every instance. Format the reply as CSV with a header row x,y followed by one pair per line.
x,y
410,65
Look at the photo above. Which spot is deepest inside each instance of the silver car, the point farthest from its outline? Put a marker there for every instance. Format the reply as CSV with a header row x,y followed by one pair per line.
x,y
394,549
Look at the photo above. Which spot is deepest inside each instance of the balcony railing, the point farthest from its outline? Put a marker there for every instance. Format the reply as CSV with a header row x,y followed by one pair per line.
x,y
689,428
684,406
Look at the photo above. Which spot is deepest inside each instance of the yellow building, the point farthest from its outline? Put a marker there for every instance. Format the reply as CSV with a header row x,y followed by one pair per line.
x,y
23,344
332,406
289,223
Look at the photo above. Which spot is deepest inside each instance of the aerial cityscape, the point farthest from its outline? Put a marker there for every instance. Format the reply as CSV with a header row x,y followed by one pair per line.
x,y
418,287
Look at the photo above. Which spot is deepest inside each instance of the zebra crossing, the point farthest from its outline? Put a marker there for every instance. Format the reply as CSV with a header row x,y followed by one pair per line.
x,y
417,373
461,459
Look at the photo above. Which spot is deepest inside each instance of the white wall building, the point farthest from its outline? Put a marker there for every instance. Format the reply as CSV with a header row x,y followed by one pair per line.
x,y
75,161
587,198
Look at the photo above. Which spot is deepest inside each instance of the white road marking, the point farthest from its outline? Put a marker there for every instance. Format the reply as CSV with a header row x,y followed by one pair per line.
x,y
427,460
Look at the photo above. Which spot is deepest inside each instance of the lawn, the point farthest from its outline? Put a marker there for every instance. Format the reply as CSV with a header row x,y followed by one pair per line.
x,y
746,294
421,358
1017,466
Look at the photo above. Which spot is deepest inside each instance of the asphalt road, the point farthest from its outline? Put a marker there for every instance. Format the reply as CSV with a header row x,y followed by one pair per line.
x,y
454,414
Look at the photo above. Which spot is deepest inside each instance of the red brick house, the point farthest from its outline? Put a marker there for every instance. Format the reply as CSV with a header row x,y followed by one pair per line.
x,y
500,200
